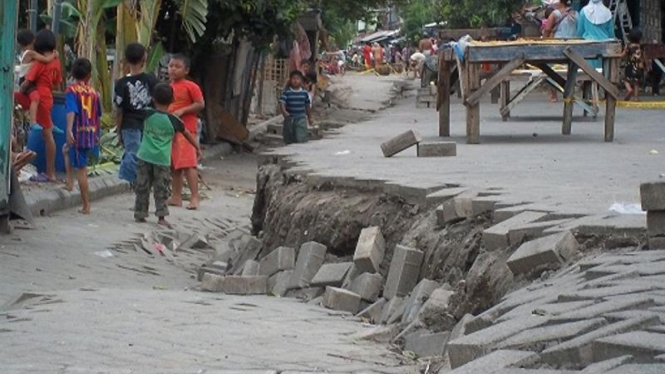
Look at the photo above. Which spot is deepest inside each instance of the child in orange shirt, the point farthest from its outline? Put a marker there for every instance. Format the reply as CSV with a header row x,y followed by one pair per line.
x,y
187,102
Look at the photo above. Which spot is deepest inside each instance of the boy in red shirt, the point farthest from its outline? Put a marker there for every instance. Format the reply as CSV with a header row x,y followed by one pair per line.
x,y
44,77
187,102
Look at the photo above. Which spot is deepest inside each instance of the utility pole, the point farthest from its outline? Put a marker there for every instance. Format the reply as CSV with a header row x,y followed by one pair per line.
x,y
32,12
57,14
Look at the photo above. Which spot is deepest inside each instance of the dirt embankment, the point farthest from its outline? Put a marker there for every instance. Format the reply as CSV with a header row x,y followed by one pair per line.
x,y
289,212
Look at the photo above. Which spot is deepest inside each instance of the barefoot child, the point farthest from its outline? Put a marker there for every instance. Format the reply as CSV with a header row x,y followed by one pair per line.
x,y
636,65
296,107
154,165
187,102
83,127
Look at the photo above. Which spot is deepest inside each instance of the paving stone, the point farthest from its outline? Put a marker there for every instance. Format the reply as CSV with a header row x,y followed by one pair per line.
x,y
368,286
643,269
579,350
653,196
543,334
437,149
251,268
370,250
341,299
392,306
247,248
282,258
331,274
381,334
456,209
210,282
374,311
310,259
494,362
350,277
503,214
397,314
545,307
609,306
631,314
611,278
436,305
238,285
445,194
532,230
656,223
603,367
404,272
656,242
306,294
550,251
534,371
206,269
417,298
480,343
278,284
400,143
639,369
460,328
428,344
497,236
643,346
603,292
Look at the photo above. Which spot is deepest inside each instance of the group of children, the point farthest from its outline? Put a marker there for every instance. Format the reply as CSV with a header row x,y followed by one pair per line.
x,y
156,122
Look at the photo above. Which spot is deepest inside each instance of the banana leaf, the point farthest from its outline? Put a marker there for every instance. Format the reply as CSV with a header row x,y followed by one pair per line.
x,y
194,17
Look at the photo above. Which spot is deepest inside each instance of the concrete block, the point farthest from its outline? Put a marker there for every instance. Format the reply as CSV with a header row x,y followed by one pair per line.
x,y
639,369
417,298
609,306
641,345
247,248
306,294
396,317
534,230
539,335
495,362
368,286
282,258
237,285
404,271
460,328
278,284
497,237
392,306
550,251
400,143
656,223
437,149
579,350
341,299
382,334
210,282
207,269
370,250
374,311
436,306
350,277
656,242
455,210
251,268
445,194
428,344
604,292
603,367
331,274
310,258
653,196
480,343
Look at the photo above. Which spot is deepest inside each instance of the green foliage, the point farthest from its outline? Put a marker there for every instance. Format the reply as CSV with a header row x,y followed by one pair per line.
x,y
194,16
476,13
416,14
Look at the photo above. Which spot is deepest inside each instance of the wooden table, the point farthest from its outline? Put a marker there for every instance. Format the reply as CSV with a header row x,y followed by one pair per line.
x,y
513,55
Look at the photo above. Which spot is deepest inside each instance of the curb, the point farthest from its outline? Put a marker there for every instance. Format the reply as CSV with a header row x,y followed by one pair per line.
x,y
46,202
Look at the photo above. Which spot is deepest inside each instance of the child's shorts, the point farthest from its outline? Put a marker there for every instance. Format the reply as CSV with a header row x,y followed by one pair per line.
x,y
78,157
24,100
44,114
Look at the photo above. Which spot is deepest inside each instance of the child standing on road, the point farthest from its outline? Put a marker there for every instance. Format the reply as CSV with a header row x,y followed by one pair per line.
x,y
296,107
636,64
83,127
45,76
154,155
187,102
132,98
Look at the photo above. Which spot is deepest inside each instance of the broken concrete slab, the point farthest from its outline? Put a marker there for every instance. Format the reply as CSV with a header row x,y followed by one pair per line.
x,y
579,350
400,143
370,250
533,230
210,282
251,268
382,334
374,311
391,308
544,334
237,285
603,367
310,259
427,344
652,195
641,345
609,306
331,274
418,296
437,149
603,292
494,362
547,252
404,272
460,328
282,258
497,237
341,299
639,369
278,284
368,286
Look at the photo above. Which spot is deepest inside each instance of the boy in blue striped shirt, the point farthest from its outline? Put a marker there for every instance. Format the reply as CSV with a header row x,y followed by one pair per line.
x,y
296,107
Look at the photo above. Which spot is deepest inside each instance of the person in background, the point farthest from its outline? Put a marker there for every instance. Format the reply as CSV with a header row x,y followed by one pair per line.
x,y
595,23
187,103
296,107
311,78
132,98
425,46
562,22
45,77
378,54
83,127
367,54
418,61
636,64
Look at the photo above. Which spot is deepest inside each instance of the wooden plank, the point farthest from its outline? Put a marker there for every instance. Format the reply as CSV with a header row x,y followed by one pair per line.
x,y
504,99
569,99
611,101
553,75
586,93
462,77
495,80
524,92
473,111
593,73
494,95
578,101
477,34
660,65
443,105
542,52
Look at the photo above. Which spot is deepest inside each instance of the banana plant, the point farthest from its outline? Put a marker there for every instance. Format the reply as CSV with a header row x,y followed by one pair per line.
x,y
194,16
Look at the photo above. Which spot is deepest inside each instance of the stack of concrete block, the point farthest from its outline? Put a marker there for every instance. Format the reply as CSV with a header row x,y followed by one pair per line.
x,y
653,202
426,97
